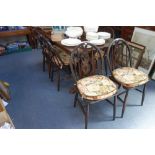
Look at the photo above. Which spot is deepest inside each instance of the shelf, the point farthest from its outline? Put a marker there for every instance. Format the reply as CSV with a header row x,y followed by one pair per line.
x,y
14,33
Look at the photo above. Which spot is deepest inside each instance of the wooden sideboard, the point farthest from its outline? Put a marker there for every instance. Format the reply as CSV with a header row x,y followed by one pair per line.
x,y
127,31
14,33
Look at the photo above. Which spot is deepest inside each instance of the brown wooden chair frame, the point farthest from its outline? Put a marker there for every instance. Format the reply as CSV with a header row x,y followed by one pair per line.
x,y
96,65
112,57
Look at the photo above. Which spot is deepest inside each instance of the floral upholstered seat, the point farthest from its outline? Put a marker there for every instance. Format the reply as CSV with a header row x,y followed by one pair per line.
x,y
96,87
130,77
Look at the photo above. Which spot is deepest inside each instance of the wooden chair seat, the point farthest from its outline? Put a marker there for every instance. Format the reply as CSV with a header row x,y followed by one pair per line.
x,y
130,77
96,87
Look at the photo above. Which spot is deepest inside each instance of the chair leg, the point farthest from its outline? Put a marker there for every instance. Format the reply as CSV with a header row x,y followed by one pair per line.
x,y
58,81
43,63
114,107
75,99
105,65
52,74
86,116
124,103
143,95
49,70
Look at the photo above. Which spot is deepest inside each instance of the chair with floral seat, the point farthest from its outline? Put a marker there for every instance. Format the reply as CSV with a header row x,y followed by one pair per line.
x,y
58,60
92,86
122,72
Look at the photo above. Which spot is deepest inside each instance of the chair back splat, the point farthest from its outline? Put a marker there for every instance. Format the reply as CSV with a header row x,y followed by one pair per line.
x,y
119,54
86,60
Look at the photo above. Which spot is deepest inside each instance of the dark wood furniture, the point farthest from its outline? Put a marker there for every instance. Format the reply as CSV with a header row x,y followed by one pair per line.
x,y
87,69
15,33
55,58
137,52
57,61
69,49
152,70
33,36
122,72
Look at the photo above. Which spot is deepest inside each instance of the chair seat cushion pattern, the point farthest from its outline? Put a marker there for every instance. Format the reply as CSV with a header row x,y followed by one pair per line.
x,y
130,77
96,87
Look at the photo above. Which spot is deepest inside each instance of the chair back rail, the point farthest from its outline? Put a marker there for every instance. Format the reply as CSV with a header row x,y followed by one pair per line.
x,y
86,60
119,54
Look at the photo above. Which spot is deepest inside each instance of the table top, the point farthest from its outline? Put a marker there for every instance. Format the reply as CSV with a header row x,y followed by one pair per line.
x,y
69,49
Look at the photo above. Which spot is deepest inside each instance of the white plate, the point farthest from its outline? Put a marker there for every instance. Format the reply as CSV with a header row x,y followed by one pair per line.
x,y
104,35
74,28
91,28
97,42
91,36
70,42
73,33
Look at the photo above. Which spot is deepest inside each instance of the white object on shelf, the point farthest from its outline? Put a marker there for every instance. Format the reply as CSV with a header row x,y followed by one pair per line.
x,y
76,28
73,33
91,28
91,36
98,42
104,35
70,42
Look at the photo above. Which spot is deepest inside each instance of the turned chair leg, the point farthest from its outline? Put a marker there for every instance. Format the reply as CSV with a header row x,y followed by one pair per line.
x,y
75,99
43,63
143,95
86,116
52,74
49,70
124,103
114,107
58,81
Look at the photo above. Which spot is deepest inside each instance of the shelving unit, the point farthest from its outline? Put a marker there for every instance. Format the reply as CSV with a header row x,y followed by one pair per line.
x,y
23,32
9,36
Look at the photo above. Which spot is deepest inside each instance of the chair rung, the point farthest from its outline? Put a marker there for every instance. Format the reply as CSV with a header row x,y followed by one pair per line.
x,y
120,99
139,90
109,101
122,92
